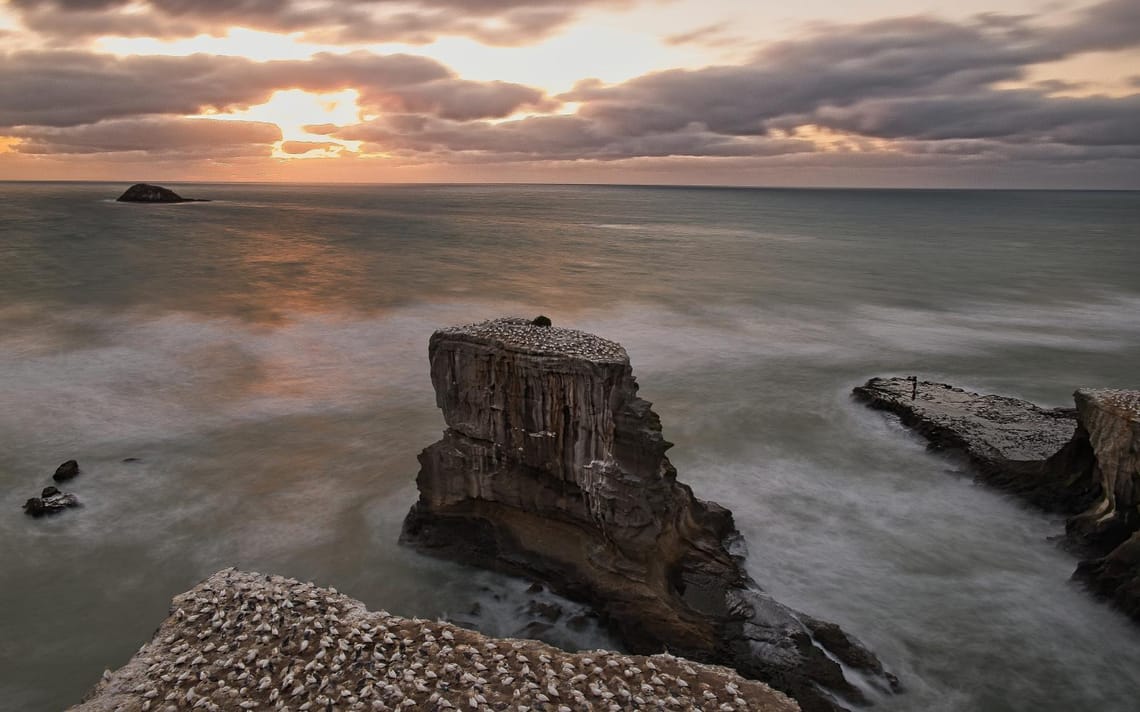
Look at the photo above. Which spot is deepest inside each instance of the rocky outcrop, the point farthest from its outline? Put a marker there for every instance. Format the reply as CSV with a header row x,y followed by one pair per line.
x,y
245,641
50,501
1007,440
67,471
552,468
1084,463
146,193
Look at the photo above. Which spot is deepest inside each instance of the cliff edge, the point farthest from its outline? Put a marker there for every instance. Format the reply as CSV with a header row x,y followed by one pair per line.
x,y
553,468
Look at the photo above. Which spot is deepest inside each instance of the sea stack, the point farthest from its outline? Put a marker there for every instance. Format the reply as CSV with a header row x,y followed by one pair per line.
x,y
147,193
1082,462
553,468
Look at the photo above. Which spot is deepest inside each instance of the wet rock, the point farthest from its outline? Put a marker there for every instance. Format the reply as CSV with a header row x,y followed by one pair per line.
x,y
542,321
66,471
50,504
49,492
552,468
147,193
1083,462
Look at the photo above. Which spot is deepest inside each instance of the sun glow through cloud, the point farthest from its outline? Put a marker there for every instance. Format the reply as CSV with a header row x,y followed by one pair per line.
x,y
294,109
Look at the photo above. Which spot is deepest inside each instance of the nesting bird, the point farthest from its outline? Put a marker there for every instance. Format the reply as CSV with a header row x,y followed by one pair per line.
x,y
374,661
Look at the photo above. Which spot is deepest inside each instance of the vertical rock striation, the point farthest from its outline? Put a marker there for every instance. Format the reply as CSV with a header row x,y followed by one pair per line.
x,y
551,467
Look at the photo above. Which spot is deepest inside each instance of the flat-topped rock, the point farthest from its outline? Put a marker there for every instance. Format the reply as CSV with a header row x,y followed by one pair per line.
x,y
1006,439
1083,462
525,336
247,641
988,427
554,469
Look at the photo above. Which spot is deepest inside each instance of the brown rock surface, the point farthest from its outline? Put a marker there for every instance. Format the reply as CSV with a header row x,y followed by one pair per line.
x,y
245,641
1085,463
551,467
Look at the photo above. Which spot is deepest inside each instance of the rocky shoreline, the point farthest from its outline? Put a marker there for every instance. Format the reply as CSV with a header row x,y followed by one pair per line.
x,y
245,641
1082,462
552,468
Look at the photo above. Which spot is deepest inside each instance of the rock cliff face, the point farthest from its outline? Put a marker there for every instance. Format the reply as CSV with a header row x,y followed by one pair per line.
x,y
1083,462
552,468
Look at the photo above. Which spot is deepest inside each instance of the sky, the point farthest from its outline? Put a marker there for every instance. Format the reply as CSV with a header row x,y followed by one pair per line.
x,y
858,93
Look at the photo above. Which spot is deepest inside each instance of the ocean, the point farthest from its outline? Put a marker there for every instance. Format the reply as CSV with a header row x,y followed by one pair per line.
x,y
264,357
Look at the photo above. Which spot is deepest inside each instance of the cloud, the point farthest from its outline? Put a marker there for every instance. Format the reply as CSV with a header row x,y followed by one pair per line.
x,y
549,138
912,92
296,148
500,22
65,88
154,135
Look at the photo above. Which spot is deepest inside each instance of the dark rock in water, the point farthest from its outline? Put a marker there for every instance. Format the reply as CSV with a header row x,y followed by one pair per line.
x,y
131,459
535,587
66,471
1083,462
49,492
146,193
50,504
542,321
553,469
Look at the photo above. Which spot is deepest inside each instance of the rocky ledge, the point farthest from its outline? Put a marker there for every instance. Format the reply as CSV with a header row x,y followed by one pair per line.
x,y
552,468
147,193
242,641
1082,462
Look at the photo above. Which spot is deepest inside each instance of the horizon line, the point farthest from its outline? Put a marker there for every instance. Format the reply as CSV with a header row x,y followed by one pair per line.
x,y
709,186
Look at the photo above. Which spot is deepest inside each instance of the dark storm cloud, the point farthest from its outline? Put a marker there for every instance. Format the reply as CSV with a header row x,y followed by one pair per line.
x,y
155,135
504,22
69,88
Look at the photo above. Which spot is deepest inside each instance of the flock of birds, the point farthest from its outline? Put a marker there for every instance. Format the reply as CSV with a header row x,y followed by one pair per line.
x,y
244,641
528,336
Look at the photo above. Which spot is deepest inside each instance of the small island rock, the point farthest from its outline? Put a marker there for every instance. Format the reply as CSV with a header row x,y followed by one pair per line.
x,y
147,193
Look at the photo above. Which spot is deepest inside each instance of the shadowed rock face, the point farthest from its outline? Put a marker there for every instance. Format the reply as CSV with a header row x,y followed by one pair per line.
x,y
1083,462
551,467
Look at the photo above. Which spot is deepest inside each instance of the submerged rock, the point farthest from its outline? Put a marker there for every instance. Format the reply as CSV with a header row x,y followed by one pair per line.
x,y
552,468
246,641
1083,462
67,471
147,193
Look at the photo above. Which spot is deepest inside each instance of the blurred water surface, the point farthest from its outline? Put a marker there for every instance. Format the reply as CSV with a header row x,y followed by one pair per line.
x,y
264,358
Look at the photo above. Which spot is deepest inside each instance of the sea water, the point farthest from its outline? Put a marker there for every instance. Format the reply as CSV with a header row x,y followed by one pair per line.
x,y
264,358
